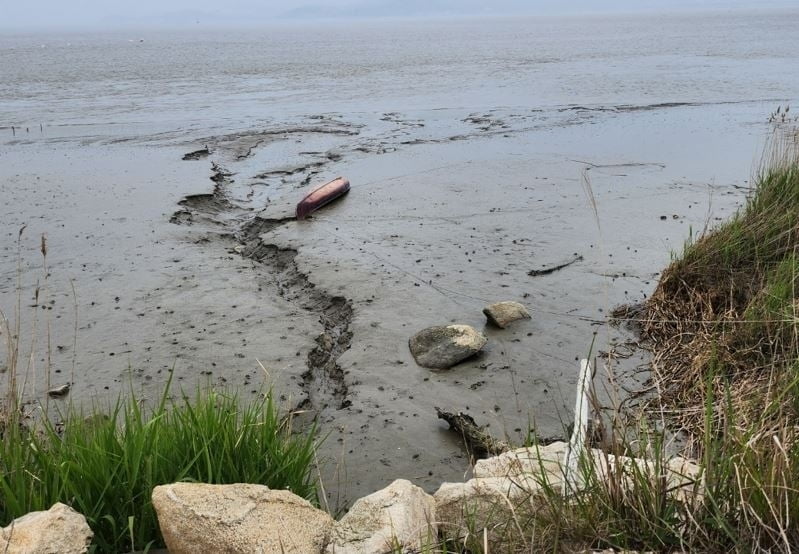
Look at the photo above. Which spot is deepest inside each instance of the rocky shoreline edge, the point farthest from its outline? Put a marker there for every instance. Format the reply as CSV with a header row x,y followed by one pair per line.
x,y
198,517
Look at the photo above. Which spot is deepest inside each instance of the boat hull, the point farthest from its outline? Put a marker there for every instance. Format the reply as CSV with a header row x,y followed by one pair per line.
x,y
322,196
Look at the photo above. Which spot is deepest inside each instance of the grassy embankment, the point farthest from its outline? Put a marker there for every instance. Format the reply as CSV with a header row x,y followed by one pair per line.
x,y
723,327
105,461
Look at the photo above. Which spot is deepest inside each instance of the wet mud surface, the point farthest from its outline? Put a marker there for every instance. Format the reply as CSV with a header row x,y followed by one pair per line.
x,y
186,258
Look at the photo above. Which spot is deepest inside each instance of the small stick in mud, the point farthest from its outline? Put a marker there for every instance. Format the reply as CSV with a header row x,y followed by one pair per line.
x,y
553,269
478,442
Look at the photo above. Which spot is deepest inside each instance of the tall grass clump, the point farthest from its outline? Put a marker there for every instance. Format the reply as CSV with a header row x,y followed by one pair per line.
x,y
728,305
106,464
739,496
628,496
722,325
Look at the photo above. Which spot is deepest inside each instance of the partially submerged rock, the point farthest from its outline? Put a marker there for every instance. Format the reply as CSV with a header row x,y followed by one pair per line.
x,y
197,154
502,314
400,516
477,440
443,347
57,530
196,517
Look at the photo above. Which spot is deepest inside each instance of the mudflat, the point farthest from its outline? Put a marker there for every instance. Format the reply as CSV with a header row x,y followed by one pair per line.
x,y
175,227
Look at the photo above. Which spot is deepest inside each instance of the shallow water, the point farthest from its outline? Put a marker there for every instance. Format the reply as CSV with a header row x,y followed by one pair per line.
x,y
477,151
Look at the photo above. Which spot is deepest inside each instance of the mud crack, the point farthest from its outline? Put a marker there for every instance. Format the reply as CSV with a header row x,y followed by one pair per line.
x,y
257,226
206,206
323,380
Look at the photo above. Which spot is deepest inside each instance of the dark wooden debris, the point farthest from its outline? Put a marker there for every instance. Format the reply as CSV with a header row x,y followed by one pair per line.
x,y
554,268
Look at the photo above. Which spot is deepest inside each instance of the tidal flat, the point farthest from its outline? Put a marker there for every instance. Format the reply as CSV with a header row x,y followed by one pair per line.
x,y
460,187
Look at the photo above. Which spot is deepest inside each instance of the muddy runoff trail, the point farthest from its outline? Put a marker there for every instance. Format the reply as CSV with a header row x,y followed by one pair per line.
x,y
359,383
233,224
323,381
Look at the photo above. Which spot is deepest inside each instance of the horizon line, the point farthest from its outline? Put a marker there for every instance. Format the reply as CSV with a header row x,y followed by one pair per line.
x,y
285,18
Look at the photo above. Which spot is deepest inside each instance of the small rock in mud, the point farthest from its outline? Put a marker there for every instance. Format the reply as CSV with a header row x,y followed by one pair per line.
x,y
443,347
58,392
503,313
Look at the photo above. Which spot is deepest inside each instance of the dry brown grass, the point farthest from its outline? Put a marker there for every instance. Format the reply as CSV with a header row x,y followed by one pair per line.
x,y
724,314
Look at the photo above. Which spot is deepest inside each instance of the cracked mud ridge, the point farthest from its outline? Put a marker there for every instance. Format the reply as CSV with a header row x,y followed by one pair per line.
x,y
323,381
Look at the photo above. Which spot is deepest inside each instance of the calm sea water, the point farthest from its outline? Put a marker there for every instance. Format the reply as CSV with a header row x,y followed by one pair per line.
x,y
171,80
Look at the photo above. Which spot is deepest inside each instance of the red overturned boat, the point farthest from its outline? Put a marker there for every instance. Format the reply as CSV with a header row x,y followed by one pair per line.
x,y
322,196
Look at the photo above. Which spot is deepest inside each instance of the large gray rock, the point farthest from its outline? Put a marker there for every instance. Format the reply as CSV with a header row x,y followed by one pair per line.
x,y
227,519
59,530
443,347
400,516
502,314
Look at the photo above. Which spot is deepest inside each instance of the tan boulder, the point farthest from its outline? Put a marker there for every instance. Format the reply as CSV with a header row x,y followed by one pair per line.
x,y
544,464
443,347
682,477
401,515
59,530
503,314
685,479
241,518
490,503
538,460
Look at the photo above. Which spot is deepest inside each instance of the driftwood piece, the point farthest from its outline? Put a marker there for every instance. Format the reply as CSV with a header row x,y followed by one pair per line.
x,y
554,268
478,441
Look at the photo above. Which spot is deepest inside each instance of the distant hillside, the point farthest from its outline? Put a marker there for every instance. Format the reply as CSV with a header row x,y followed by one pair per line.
x,y
413,8
416,8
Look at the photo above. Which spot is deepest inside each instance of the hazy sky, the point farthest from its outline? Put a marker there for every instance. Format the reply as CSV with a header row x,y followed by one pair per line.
x,y
30,14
